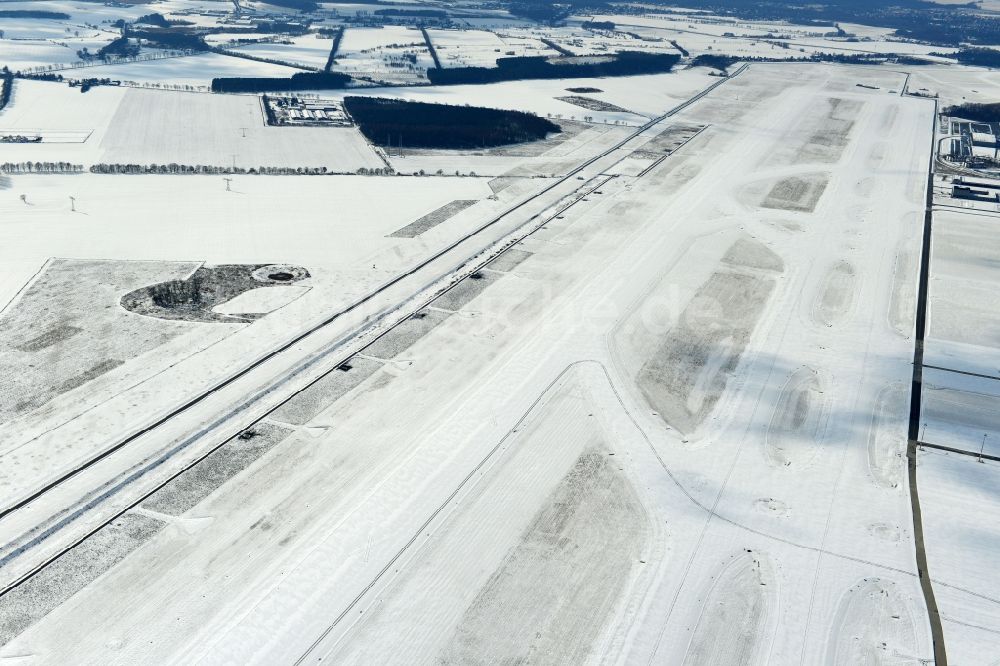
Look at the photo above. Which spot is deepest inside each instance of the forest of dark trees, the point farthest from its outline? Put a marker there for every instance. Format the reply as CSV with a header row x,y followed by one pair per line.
x,y
983,113
978,57
33,14
120,47
722,62
179,39
299,81
625,63
423,125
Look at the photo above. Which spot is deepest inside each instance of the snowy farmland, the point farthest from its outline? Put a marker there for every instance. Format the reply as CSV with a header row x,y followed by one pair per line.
x,y
707,376
311,50
141,126
391,54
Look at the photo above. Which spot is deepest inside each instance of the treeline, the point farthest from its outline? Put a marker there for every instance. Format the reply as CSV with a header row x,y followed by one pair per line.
x,y
300,81
33,14
983,113
300,5
598,25
414,13
235,53
684,51
626,63
430,48
209,170
723,62
424,125
8,87
40,167
204,170
180,40
338,36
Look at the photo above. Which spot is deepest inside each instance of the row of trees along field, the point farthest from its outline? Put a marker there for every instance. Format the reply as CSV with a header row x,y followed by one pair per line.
x,y
300,81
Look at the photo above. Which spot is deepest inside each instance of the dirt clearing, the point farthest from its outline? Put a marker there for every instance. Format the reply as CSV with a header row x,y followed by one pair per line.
x,y
584,536
796,193
691,366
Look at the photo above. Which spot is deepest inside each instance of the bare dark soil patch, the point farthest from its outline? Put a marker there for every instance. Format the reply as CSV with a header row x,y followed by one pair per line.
x,y
433,218
198,482
193,298
591,104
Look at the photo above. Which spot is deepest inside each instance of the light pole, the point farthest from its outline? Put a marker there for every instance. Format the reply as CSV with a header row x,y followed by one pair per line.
x,y
72,204
228,181
983,447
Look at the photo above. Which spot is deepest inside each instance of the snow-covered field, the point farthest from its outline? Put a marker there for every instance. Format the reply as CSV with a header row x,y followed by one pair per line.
x,y
636,393
192,71
310,50
960,500
393,54
643,96
543,486
481,48
137,126
957,84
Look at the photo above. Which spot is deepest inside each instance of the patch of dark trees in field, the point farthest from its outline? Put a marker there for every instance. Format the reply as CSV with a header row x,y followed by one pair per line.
x,y
626,63
425,125
87,84
684,51
300,81
983,113
33,14
584,89
193,298
598,25
720,62
159,20
118,48
275,27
